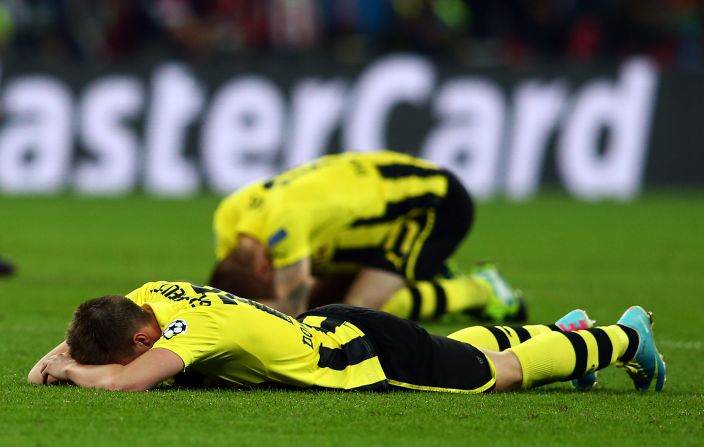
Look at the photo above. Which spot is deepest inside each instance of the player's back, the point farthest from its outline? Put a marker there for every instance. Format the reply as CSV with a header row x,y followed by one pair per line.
x,y
329,209
355,184
246,343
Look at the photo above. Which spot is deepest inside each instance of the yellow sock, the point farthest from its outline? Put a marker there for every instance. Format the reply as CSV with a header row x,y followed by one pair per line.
x,y
499,338
424,300
557,356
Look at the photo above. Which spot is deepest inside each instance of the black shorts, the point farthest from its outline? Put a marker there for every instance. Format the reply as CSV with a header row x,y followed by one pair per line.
x,y
442,226
411,357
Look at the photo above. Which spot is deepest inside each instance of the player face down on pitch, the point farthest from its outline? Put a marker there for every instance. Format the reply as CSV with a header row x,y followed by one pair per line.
x,y
372,230
162,329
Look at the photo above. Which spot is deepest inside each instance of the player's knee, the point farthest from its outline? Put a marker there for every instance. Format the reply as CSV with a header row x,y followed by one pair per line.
x,y
368,301
509,375
373,287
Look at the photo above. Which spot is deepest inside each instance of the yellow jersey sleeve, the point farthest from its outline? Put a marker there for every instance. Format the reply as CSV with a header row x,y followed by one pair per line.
x,y
193,335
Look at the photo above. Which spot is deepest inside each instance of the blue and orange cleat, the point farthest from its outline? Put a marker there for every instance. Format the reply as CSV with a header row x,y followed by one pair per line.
x,y
577,320
647,364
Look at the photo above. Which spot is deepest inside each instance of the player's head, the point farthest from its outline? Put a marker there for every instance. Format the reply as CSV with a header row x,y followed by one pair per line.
x,y
241,280
246,271
106,329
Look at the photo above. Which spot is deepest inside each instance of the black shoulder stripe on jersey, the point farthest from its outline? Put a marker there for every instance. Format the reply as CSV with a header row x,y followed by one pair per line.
x,y
351,353
580,354
606,348
395,210
398,170
554,327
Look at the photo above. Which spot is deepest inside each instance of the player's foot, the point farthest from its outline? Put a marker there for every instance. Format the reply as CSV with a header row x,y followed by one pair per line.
x,y
647,364
574,321
505,303
6,269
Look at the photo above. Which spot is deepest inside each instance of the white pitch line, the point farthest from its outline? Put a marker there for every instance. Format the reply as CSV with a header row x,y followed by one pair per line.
x,y
680,344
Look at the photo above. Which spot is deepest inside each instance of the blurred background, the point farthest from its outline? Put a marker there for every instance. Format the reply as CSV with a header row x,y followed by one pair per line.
x,y
496,33
600,98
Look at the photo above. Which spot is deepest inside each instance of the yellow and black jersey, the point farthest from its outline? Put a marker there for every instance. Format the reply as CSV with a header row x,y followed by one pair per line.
x,y
342,211
245,343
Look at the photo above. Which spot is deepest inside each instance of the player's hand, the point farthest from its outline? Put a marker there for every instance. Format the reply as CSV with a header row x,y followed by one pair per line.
x,y
55,369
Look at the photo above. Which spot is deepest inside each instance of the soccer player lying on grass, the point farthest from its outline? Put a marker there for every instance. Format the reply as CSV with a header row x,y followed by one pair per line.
x,y
164,328
379,225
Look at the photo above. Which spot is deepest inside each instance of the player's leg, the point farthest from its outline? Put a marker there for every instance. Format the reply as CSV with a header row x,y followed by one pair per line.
x,y
411,357
397,281
428,294
500,338
488,297
425,300
422,300
558,356
508,375
372,288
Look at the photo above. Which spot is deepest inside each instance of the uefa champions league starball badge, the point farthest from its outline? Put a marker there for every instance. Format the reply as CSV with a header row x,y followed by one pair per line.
x,y
174,328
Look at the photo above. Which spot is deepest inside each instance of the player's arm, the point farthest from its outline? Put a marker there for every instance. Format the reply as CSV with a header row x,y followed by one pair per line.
x,y
35,374
293,284
144,372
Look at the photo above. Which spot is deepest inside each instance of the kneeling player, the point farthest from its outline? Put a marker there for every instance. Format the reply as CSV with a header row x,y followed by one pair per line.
x,y
369,229
163,328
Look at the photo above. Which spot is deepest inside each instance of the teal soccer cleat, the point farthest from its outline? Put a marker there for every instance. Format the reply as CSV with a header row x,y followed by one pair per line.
x,y
574,321
647,363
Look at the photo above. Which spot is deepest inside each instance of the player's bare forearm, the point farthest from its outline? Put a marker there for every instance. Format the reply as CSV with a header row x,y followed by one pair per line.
x,y
297,300
62,368
103,377
293,285
146,371
35,374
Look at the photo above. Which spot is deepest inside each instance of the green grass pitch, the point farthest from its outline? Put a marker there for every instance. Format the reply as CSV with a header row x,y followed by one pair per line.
x,y
564,254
